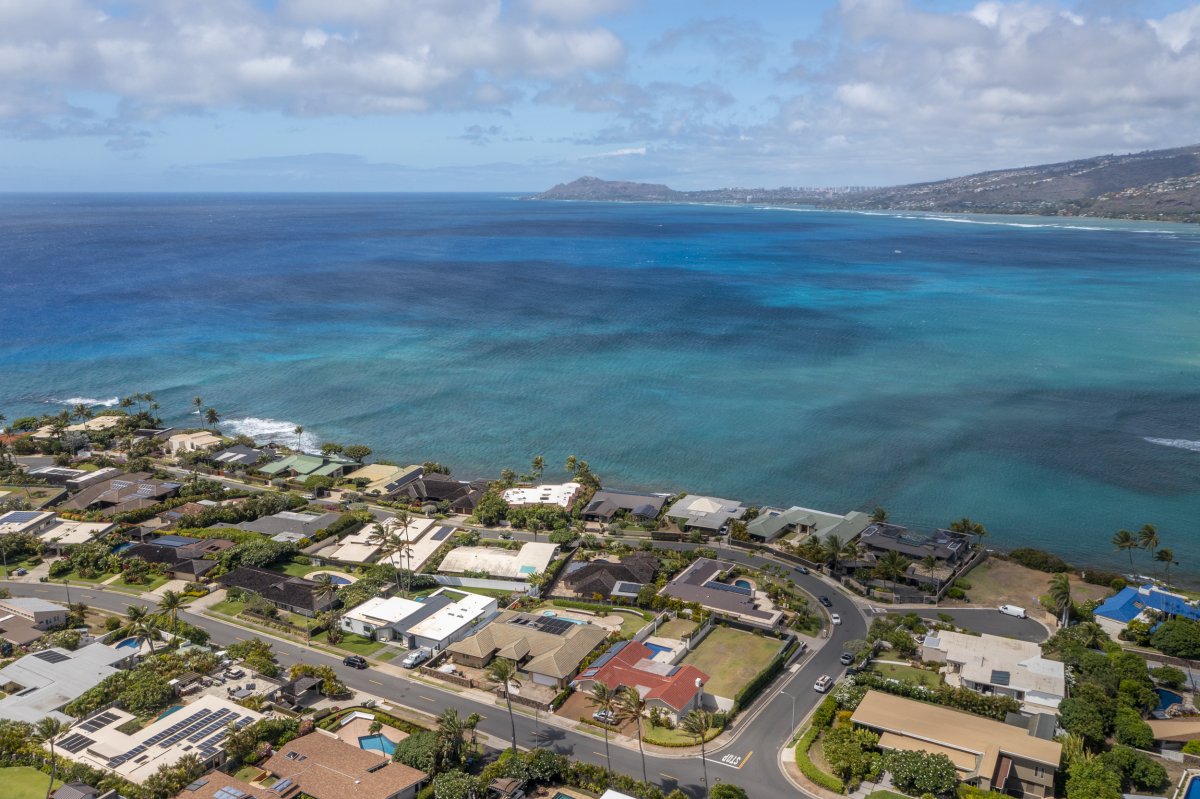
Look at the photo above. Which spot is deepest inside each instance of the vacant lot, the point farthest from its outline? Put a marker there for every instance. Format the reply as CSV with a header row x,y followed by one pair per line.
x,y
676,628
22,782
1001,582
731,658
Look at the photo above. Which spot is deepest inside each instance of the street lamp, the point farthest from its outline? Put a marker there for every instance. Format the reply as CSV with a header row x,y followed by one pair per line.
x,y
793,698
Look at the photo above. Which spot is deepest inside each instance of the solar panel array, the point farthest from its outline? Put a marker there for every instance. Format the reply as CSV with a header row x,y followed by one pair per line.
x,y
733,589
50,656
74,743
96,722
194,728
20,516
441,533
229,792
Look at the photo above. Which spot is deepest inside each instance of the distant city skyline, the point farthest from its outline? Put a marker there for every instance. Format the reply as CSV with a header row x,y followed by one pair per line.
x,y
484,95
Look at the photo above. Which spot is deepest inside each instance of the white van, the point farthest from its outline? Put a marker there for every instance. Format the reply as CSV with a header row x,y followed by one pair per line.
x,y
1013,610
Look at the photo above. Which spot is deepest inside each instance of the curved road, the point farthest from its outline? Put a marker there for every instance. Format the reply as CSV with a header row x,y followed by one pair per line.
x,y
749,759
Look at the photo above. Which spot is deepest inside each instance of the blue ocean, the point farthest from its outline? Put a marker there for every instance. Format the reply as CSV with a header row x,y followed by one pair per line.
x,y
1039,375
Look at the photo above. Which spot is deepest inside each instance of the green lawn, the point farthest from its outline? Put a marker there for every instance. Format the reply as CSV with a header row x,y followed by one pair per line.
x,y
153,582
228,607
676,737
351,643
248,773
37,496
887,795
731,658
75,578
296,569
23,782
676,628
907,674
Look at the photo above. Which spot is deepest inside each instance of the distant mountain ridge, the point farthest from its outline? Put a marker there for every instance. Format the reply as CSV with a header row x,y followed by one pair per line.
x,y
1156,184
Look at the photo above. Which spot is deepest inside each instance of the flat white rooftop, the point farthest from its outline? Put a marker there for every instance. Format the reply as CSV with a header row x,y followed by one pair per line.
x,y
562,495
454,617
531,558
72,532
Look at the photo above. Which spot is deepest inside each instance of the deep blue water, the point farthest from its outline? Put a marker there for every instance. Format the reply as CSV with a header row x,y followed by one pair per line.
x,y
1006,369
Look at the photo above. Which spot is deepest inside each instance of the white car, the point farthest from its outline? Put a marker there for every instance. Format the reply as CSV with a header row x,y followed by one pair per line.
x,y
823,684
835,618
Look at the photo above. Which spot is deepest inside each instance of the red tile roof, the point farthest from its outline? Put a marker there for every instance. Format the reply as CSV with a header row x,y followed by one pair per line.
x,y
625,667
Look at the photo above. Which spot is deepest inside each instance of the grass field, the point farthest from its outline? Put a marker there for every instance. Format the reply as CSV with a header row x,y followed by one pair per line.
x,y
675,737
676,628
228,607
1000,582
907,674
23,782
731,658
351,643
296,569
886,795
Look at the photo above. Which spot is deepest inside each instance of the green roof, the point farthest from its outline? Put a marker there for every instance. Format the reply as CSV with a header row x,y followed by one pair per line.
x,y
306,465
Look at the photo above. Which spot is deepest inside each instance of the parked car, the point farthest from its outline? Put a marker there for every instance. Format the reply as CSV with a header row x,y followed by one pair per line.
x,y
823,684
21,572
1012,610
505,536
605,717
835,618
846,658
802,569
415,658
824,600
355,661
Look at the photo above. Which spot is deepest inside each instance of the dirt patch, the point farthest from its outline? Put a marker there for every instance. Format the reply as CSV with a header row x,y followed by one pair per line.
x,y
1002,582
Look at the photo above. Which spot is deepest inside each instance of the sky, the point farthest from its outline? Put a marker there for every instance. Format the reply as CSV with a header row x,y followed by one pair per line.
x,y
517,95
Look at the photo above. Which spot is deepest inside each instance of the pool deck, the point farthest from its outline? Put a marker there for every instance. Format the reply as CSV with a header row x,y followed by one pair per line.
x,y
360,728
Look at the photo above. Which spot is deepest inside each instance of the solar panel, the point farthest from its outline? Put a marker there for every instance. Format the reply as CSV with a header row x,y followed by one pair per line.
x,y
74,743
50,656
20,516
229,792
1000,677
197,785
96,722
441,533
282,785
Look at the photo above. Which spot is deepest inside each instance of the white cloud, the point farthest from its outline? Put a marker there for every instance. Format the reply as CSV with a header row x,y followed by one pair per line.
x,y
621,153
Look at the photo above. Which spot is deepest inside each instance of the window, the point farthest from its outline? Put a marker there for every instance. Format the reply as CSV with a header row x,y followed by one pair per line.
x,y
1039,771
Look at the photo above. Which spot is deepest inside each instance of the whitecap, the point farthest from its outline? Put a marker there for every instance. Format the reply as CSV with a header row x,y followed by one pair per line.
x,y
267,430
112,402
1178,443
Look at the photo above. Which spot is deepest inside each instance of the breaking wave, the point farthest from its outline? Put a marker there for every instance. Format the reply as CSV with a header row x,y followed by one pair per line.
x,y
89,401
1178,443
267,430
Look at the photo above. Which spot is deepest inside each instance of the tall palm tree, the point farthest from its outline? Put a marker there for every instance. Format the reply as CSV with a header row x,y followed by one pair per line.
x,y
1060,596
392,543
199,403
325,588
299,431
170,603
836,550
1125,540
630,706
142,625
1167,558
965,525
451,744
696,724
81,412
891,567
604,699
879,515
212,416
44,732
1148,538
930,564
503,671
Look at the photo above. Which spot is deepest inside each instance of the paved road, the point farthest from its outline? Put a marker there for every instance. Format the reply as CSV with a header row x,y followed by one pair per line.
x,y
750,760
985,620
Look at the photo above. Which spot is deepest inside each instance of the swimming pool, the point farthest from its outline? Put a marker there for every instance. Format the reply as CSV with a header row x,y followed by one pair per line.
x,y
568,619
743,583
169,711
378,742
1167,698
1193,789
127,642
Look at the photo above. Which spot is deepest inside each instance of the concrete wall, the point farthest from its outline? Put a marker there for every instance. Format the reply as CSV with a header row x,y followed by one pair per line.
x,y
480,582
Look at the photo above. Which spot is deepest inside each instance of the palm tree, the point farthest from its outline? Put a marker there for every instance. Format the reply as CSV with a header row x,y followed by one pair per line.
x,y
212,416
142,625
1123,539
879,515
965,525
170,603
891,567
604,699
1148,538
1089,634
199,403
1167,558
930,564
81,412
630,706
299,431
392,543
836,550
326,588
44,732
450,742
696,724
503,671
1060,596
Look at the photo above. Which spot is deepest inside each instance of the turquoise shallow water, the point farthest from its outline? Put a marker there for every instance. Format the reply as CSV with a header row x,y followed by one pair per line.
x,y
1012,370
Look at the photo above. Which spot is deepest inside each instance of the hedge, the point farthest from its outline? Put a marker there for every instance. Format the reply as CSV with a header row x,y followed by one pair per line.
x,y
764,678
809,768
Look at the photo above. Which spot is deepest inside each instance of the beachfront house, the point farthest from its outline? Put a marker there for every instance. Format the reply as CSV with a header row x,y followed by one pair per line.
x,y
772,523
1136,602
605,506
562,495
705,514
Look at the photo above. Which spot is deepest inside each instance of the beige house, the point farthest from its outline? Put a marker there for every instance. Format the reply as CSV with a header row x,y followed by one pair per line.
x,y
988,754
323,767
384,480
989,664
192,442
549,649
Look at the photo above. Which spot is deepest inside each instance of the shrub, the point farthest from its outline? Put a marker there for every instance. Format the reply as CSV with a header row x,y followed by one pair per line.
x,y
1137,770
1178,638
920,772
1169,676
954,592
1131,730
809,769
1038,559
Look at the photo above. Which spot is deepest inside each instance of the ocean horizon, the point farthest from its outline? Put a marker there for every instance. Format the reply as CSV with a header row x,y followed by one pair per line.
x,y
1036,374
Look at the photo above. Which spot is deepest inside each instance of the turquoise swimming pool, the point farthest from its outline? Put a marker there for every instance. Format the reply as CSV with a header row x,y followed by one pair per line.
x,y
379,743
1193,788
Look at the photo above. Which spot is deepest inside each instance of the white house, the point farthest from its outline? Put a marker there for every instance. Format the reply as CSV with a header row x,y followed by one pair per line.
x,y
563,495
990,664
435,621
510,564
192,442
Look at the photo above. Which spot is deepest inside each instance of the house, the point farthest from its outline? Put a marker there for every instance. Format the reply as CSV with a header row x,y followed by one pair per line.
x,y
92,478
423,536
706,514
97,424
703,583
294,594
435,488
1132,602
184,558
987,754
323,767
301,524
239,455
641,508
381,480
771,523
57,475
303,466
299,691
562,495
608,578
29,522
435,622
989,664
40,684
192,442
121,493
946,546
531,558
198,729
65,532
23,621
675,690
549,649
81,790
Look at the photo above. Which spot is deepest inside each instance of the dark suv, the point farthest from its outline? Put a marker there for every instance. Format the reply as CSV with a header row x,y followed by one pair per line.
x,y
355,661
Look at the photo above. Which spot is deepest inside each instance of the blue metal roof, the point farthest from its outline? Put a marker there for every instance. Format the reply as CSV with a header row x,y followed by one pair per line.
x,y
1126,604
